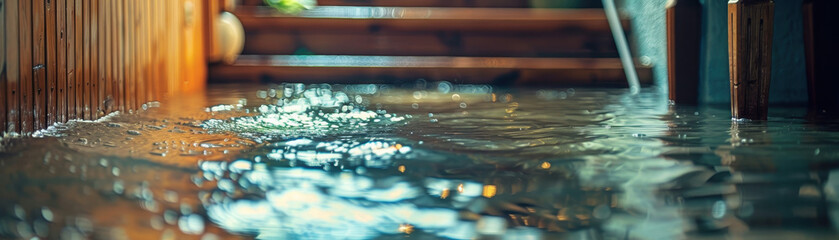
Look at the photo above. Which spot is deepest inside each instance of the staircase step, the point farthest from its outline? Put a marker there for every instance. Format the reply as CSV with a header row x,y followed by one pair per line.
x,y
414,3
430,32
392,69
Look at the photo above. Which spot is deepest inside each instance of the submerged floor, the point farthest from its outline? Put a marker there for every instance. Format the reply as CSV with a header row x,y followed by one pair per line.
x,y
426,161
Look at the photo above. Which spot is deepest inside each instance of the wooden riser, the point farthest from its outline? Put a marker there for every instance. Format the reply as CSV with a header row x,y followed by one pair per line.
x,y
387,69
414,3
429,32
566,44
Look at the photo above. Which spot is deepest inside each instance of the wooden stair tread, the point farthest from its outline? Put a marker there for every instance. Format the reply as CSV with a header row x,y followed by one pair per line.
x,y
345,18
414,3
388,69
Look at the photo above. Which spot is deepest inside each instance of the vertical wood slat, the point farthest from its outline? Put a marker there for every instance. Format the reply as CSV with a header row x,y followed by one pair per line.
x,y
109,74
25,40
142,87
12,96
39,68
86,51
71,59
750,26
820,42
99,87
130,88
121,56
51,63
79,56
61,59
80,59
2,67
684,21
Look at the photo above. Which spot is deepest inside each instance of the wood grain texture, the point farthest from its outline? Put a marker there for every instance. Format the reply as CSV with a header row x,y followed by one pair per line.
x,y
750,57
51,62
684,21
79,62
39,64
61,60
12,94
414,3
27,107
380,69
81,59
71,59
3,101
820,42
88,67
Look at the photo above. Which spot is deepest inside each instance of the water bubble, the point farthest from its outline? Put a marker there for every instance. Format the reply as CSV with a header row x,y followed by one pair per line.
x,y
145,106
18,212
191,224
639,135
262,94
272,92
463,105
156,222
115,171
119,188
47,214
456,97
444,87
170,217
415,105
103,162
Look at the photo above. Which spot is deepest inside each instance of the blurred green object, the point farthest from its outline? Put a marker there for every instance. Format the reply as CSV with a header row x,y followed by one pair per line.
x,y
566,4
291,6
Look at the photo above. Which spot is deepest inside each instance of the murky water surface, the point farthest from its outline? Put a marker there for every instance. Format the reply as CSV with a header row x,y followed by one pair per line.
x,y
424,161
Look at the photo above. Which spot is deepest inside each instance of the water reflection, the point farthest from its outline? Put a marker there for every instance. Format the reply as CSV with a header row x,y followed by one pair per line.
x,y
425,160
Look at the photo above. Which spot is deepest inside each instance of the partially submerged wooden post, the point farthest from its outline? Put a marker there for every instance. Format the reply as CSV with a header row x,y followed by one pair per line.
x,y
820,43
750,56
684,21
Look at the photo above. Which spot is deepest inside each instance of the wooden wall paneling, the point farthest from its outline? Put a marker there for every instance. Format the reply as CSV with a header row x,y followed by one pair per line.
x,y
3,67
118,54
71,59
79,62
109,70
51,62
12,94
139,55
129,57
61,60
142,83
26,88
86,51
39,64
96,74
99,41
750,26
154,50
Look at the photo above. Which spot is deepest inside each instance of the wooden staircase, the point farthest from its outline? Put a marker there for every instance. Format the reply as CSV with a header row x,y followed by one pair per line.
x,y
465,41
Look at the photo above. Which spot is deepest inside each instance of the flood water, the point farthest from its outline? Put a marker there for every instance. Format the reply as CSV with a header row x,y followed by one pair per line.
x,y
427,160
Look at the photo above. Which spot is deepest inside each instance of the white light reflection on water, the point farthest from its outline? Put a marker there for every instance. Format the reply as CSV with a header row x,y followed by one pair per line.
x,y
313,204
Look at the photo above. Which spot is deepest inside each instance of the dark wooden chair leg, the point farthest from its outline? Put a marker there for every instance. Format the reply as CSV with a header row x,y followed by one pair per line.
x,y
750,56
820,43
684,22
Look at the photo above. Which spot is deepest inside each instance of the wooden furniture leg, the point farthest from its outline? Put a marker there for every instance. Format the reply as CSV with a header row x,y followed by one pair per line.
x,y
750,25
684,21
